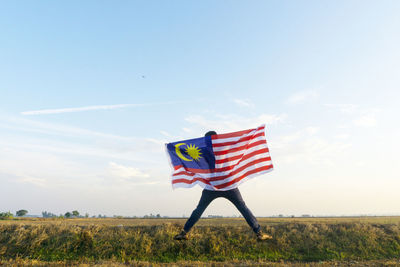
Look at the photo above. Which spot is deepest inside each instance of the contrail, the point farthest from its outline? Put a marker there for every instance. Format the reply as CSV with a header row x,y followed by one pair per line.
x,y
79,109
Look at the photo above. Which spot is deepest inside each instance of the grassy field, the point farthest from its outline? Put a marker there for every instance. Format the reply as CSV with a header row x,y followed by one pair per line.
x,y
202,221
143,242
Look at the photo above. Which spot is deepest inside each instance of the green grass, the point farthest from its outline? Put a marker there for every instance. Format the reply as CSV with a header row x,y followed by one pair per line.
x,y
219,240
201,222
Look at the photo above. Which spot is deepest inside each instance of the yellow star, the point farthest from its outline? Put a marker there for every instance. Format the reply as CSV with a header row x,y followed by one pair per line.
x,y
193,151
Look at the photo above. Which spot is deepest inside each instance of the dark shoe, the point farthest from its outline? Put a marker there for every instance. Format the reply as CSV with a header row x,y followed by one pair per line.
x,y
262,237
181,236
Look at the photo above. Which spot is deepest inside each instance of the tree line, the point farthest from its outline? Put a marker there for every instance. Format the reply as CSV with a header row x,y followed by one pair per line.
x,y
45,214
71,214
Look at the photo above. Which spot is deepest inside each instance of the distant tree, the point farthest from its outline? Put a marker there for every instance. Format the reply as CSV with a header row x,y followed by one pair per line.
x,y
6,215
46,214
86,215
158,215
75,213
68,214
21,213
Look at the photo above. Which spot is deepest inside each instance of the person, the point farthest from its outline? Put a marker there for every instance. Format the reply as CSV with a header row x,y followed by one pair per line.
x,y
234,196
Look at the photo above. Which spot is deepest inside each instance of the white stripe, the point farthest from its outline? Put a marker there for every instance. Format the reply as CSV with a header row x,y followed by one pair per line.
x,y
222,148
236,138
241,152
185,185
233,162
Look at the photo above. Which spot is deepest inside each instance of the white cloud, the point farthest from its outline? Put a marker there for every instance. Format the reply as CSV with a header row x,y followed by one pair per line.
x,y
90,108
246,103
296,137
342,136
367,119
302,97
32,180
312,130
115,151
28,125
186,130
79,109
79,141
302,149
361,117
284,140
43,161
165,133
125,172
344,108
233,122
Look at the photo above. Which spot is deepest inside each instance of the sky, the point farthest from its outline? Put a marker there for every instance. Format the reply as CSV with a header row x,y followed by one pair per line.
x,y
90,92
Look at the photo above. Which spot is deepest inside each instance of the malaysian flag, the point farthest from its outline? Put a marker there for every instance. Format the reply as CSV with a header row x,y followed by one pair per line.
x,y
220,162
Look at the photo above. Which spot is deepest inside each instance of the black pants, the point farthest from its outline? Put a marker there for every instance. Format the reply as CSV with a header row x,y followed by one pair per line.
x,y
233,196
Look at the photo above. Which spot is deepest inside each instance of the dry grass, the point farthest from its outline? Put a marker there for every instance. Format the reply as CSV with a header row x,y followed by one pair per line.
x,y
214,242
372,263
202,221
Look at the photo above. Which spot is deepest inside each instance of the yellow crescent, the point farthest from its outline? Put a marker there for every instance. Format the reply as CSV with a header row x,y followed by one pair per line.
x,y
178,152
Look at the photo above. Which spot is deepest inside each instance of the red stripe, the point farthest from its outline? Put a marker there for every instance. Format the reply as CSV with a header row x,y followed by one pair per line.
x,y
190,181
263,150
246,138
177,167
184,173
195,170
264,168
234,134
244,147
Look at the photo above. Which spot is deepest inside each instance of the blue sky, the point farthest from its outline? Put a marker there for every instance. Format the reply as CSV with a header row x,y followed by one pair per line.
x,y
91,91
